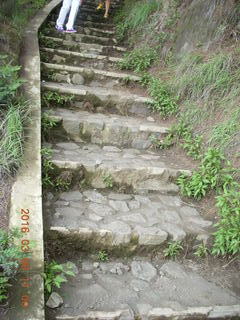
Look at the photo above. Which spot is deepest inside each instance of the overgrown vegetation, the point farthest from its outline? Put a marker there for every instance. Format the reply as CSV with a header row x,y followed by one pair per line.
x,y
173,249
52,98
10,253
55,274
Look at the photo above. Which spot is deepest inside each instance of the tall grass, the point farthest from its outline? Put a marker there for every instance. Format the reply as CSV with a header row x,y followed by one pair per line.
x,y
11,138
133,15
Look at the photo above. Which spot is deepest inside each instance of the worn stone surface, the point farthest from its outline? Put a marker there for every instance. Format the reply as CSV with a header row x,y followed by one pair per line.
x,y
150,290
54,301
115,218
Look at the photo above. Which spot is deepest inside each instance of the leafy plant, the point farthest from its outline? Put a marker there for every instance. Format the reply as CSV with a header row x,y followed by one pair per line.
x,y
9,80
102,256
55,274
47,123
62,184
162,100
47,168
108,180
202,251
138,59
4,285
206,178
227,236
173,249
52,98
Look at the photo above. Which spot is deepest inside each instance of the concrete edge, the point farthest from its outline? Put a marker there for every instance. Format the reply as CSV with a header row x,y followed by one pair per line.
x,y
26,197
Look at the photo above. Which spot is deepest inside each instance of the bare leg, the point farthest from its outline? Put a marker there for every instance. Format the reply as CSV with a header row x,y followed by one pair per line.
x,y
107,5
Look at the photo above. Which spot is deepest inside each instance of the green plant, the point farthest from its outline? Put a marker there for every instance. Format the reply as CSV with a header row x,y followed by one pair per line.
x,y
62,184
108,180
206,178
9,80
47,168
173,249
52,98
10,253
4,285
11,137
202,251
55,274
139,59
162,100
47,123
193,145
227,236
102,255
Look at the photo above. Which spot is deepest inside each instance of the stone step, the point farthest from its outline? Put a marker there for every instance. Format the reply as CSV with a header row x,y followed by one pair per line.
x,y
107,129
88,76
67,43
98,25
89,30
126,168
113,220
89,60
122,100
133,289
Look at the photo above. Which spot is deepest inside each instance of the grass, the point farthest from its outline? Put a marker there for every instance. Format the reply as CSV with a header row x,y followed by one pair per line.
x,y
11,138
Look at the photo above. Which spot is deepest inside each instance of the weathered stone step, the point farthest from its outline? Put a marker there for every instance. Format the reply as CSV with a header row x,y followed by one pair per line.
x,y
68,43
111,220
98,96
137,289
70,74
108,129
129,168
90,60
98,25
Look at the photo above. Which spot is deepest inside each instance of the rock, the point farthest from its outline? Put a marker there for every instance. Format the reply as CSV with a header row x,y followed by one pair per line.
x,y
150,236
139,285
94,217
119,196
135,217
111,149
96,264
150,119
58,59
77,79
54,301
133,204
142,199
61,77
50,196
141,144
101,209
86,276
87,266
121,232
95,196
71,196
143,270
176,232
173,270
119,205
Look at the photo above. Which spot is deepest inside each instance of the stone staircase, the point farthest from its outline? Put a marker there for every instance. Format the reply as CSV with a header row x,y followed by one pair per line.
x,y
124,198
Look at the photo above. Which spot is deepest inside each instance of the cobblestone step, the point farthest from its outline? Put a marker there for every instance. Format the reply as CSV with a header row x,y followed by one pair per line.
x,y
73,58
69,44
112,220
88,76
122,100
107,129
130,168
138,289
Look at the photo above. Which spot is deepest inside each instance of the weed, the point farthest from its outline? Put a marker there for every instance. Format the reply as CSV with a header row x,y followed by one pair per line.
x,y
206,178
47,123
173,249
62,184
55,274
9,81
202,251
11,138
108,180
162,100
103,256
51,98
227,237
133,15
47,168
138,59
10,254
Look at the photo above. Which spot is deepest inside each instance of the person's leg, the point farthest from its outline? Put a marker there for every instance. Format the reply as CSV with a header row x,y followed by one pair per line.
x,y
63,12
73,14
107,5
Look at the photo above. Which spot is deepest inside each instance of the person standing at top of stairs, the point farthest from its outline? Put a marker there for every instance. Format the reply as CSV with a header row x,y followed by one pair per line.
x,y
107,6
72,6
